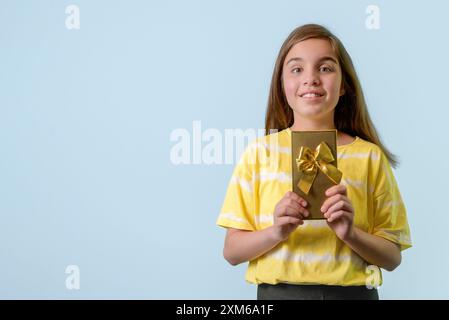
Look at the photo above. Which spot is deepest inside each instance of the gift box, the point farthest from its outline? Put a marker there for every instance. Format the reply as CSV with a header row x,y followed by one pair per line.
x,y
314,167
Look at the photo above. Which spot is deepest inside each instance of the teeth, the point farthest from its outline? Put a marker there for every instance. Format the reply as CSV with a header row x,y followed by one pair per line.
x,y
311,95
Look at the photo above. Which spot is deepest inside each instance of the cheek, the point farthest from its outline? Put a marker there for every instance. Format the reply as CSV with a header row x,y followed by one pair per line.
x,y
333,86
290,88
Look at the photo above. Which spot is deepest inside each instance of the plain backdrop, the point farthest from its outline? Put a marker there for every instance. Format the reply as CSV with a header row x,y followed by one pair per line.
x,y
86,115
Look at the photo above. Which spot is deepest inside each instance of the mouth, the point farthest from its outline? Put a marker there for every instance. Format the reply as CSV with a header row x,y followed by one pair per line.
x,y
311,95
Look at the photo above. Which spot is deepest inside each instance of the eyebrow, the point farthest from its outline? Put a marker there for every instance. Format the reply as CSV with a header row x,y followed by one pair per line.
x,y
325,58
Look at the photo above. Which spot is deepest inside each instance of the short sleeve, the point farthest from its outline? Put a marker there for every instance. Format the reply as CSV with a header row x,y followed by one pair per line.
x,y
390,216
237,210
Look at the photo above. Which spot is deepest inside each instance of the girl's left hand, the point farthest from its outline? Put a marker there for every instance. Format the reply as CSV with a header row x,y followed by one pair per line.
x,y
338,211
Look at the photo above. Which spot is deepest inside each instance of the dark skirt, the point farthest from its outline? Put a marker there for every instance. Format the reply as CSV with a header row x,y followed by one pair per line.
x,y
283,291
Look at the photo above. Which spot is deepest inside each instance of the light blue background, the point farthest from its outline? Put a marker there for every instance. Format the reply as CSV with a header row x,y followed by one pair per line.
x,y
86,115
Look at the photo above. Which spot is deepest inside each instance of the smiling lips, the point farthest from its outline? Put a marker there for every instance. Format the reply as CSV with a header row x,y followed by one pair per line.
x,y
311,94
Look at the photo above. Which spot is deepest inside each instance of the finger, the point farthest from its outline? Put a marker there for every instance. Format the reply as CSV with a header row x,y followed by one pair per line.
x,y
337,215
337,189
302,212
289,211
339,205
295,212
294,196
292,203
289,220
329,202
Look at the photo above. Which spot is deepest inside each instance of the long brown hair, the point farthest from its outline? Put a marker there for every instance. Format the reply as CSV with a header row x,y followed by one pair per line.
x,y
351,113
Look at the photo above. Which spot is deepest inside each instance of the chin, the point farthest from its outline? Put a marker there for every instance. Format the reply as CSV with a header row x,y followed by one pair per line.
x,y
313,112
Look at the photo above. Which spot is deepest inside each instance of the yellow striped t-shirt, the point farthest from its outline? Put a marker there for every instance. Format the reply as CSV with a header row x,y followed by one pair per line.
x,y
313,254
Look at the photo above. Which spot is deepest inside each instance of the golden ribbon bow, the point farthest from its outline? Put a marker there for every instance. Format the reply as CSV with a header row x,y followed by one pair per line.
x,y
308,163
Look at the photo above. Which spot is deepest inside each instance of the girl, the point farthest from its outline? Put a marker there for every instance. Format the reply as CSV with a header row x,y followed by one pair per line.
x,y
315,87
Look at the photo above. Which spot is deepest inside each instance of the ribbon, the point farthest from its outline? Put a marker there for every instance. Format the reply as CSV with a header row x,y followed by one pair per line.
x,y
309,162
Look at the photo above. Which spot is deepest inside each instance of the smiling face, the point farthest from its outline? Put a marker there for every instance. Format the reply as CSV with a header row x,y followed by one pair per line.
x,y
312,80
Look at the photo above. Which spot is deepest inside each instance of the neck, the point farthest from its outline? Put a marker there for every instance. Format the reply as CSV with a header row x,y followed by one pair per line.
x,y
310,125
304,124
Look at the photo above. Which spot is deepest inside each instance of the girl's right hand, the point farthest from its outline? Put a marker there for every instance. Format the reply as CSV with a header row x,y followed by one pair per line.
x,y
288,215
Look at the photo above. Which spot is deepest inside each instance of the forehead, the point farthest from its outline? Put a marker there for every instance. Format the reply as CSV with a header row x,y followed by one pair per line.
x,y
311,50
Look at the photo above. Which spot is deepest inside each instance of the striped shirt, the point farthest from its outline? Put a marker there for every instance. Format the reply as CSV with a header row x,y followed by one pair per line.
x,y
313,254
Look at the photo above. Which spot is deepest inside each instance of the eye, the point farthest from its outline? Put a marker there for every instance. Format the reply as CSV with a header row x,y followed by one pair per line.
x,y
326,69
296,70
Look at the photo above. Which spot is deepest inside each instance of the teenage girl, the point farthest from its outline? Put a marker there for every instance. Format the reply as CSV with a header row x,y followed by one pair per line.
x,y
315,87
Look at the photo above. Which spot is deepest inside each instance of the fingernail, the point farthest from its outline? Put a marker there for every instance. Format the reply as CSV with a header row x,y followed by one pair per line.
x,y
304,203
322,209
306,213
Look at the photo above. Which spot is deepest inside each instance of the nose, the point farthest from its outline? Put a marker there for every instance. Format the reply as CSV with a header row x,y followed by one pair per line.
x,y
311,78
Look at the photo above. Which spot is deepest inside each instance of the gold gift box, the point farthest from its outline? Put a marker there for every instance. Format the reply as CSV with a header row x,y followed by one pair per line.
x,y
314,167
